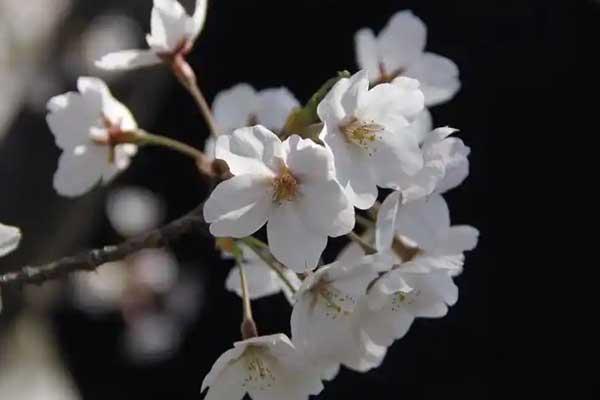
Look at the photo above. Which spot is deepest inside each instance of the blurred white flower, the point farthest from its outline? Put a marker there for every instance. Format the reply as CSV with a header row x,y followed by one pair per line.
x,y
173,32
134,210
326,324
84,125
369,134
152,337
290,185
242,106
107,33
266,368
100,291
399,50
156,269
262,280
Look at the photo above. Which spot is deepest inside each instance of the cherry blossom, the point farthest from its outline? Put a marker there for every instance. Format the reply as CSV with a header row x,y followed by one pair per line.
x,y
369,134
87,126
173,33
261,279
421,286
10,237
134,210
326,322
445,166
266,368
291,185
399,50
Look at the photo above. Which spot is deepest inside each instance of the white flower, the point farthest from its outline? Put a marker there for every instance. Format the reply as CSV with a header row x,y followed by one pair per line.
x,y
173,32
399,50
326,324
423,285
291,185
369,134
445,166
262,280
134,210
266,368
85,125
10,237
242,106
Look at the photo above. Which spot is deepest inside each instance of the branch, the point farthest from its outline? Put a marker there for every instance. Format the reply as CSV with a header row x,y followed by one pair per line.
x,y
92,259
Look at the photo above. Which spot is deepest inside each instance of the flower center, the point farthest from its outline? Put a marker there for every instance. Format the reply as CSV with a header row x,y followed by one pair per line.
x,y
361,133
401,298
285,186
260,375
336,302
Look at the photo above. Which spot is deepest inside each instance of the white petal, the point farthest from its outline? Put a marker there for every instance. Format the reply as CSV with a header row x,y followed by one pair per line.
x,y
10,237
168,25
385,228
422,221
352,170
291,241
330,110
226,376
128,59
402,41
275,107
438,76
79,170
453,153
388,324
460,238
198,18
261,281
239,206
252,150
421,125
70,118
367,54
233,107
308,161
389,104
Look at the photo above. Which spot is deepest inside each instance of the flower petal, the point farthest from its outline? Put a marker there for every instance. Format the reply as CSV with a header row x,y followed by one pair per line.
x,y
80,169
168,25
233,107
127,59
198,18
438,76
422,221
10,237
385,228
402,40
253,150
276,104
239,206
367,54
291,241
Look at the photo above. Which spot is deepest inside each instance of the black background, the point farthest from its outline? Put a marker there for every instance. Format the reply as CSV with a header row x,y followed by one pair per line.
x,y
512,56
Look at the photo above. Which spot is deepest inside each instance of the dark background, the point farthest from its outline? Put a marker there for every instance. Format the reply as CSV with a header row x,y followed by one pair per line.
x,y
511,56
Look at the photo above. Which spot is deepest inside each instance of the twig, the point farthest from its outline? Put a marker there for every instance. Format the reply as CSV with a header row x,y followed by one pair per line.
x,y
92,259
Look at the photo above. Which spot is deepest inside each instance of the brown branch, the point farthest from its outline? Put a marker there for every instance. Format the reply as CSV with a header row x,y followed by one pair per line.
x,y
92,259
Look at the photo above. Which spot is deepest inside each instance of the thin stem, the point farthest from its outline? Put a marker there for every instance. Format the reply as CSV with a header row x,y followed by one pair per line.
x,y
186,76
247,307
262,251
362,243
146,138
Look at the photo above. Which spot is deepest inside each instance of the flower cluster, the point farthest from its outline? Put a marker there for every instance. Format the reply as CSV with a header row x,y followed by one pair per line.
x,y
308,173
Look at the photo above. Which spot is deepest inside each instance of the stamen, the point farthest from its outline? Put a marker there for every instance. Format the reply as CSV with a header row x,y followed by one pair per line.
x,y
285,186
337,303
260,375
361,133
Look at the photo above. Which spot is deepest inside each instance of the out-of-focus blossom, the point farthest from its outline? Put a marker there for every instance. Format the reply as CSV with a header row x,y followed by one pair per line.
x,y
134,210
85,125
173,32
152,337
399,50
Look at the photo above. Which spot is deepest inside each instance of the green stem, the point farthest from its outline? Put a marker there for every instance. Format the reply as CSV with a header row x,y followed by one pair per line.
x,y
149,139
262,250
